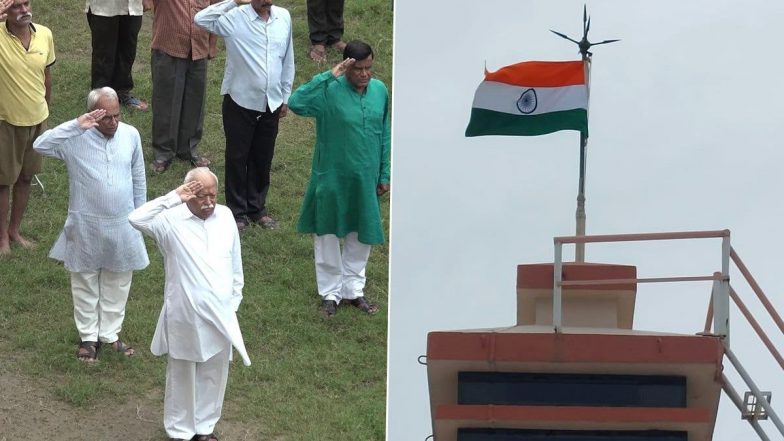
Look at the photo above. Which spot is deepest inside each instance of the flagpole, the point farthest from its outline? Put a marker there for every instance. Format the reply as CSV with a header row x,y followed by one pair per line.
x,y
579,250
584,45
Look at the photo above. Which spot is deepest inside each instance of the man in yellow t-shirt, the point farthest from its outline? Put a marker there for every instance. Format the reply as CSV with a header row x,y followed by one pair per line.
x,y
26,55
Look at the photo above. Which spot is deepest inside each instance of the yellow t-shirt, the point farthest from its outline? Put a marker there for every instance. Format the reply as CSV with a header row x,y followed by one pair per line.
x,y
22,97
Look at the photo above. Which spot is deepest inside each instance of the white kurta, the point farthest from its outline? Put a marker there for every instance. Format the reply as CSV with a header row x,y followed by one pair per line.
x,y
204,279
106,182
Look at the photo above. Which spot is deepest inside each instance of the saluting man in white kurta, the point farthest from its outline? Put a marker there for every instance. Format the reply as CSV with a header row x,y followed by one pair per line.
x,y
106,182
198,324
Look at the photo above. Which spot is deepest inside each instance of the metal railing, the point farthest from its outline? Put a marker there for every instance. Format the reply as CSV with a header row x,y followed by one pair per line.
x,y
718,308
720,302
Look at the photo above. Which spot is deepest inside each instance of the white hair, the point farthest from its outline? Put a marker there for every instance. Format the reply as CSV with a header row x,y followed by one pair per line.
x,y
198,172
96,94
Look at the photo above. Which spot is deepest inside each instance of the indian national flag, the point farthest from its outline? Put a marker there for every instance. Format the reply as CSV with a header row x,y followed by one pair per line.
x,y
531,98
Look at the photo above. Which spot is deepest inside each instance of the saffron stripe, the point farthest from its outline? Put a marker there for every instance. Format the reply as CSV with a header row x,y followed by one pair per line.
x,y
488,122
502,97
540,74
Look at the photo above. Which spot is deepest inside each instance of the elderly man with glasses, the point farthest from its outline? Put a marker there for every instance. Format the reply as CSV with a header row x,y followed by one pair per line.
x,y
97,245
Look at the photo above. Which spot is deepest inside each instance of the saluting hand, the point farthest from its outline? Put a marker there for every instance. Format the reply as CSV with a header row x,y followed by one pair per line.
x,y
341,67
90,119
188,191
4,5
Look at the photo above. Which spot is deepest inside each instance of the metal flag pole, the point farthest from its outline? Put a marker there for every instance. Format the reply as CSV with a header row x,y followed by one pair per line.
x,y
584,45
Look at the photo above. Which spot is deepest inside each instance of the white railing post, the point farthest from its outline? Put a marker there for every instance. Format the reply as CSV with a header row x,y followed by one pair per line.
x,y
721,298
557,279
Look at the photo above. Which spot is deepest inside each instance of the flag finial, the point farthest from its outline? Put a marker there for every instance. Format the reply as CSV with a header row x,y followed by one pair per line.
x,y
584,44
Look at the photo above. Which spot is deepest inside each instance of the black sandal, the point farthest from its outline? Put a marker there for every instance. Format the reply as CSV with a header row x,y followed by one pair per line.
x,y
210,437
90,352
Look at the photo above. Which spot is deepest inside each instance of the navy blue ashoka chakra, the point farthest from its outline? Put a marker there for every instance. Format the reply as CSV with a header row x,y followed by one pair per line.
x,y
527,102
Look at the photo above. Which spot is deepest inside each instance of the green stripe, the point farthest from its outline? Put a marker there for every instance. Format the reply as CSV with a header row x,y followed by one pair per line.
x,y
488,122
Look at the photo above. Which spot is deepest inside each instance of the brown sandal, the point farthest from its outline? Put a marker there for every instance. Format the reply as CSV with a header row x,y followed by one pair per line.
x,y
119,346
200,161
87,352
159,166
364,305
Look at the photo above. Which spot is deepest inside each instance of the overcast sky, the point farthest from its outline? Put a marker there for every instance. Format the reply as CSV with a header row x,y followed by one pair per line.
x,y
686,134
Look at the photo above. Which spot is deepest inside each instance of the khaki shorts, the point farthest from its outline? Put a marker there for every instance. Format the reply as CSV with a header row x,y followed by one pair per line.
x,y
17,156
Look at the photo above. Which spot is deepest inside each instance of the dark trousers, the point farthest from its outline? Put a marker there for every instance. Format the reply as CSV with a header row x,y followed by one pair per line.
x,y
114,50
325,20
178,99
250,144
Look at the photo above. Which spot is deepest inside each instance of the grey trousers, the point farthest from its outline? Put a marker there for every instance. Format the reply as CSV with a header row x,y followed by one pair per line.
x,y
179,88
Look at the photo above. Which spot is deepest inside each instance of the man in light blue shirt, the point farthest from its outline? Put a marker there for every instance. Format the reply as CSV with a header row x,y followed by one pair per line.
x,y
256,87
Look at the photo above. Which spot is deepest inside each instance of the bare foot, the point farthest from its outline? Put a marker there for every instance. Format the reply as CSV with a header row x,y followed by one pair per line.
x,y
21,241
5,247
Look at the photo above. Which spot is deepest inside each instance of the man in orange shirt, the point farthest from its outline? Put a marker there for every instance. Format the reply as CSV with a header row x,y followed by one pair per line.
x,y
180,50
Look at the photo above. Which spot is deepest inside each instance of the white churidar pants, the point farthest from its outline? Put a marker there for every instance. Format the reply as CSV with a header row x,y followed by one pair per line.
x,y
340,275
194,395
99,299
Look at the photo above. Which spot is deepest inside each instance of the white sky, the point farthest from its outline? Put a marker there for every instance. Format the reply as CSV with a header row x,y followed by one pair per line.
x,y
686,126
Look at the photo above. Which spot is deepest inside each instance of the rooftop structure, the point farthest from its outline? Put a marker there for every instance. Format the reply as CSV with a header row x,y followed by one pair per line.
x,y
574,368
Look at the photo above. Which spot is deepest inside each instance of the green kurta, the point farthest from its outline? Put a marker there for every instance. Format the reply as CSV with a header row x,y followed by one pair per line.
x,y
350,159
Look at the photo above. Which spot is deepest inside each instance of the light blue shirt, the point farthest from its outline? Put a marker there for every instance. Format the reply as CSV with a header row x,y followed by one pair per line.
x,y
259,54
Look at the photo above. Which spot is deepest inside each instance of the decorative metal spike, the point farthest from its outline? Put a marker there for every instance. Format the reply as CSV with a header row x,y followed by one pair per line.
x,y
584,45
564,36
604,42
585,14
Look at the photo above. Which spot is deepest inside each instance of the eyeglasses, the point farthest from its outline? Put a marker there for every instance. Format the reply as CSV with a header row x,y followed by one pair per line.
x,y
108,118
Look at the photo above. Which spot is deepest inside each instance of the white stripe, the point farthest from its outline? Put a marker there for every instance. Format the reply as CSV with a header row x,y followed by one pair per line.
x,y
502,97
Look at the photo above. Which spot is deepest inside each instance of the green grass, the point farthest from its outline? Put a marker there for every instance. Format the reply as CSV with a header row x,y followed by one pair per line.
x,y
311,378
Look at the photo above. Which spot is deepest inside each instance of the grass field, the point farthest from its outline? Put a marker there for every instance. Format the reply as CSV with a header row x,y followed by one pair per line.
x,y
311,378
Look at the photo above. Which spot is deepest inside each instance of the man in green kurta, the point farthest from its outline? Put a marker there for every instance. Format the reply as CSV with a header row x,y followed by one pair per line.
x,y
350,172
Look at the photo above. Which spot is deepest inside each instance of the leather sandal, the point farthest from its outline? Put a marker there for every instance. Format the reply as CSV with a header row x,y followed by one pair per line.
x,y
364,305
87,352
328,308
200,161
160,166
121,347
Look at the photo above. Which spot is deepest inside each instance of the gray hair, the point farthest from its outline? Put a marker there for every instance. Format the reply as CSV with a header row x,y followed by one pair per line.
x,y
198,172
97,94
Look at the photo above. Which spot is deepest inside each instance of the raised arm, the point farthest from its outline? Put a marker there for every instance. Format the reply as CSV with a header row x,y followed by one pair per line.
x,y
210,20
52,141
146,219
310,98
